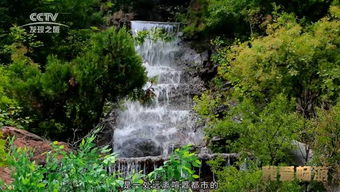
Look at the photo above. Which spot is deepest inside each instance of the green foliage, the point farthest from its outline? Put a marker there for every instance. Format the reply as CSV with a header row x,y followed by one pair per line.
x,y
234,180
141,36
10,113
267,94
298,62
54,81
81,170
86,169
12,116
206,104
4,81
3,153
179,167
77,14
249,179
80,13
267,133
72,45
155,34
326,141
19,36
26,175
72,94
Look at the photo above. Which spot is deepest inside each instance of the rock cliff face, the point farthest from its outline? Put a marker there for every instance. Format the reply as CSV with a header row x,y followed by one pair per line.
x,y
25,139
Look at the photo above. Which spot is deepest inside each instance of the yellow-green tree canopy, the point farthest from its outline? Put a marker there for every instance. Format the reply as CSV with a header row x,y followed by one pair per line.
x,y
300,62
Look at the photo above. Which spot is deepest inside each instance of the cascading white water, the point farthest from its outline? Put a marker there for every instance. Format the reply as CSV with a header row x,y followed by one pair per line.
x,y
157,128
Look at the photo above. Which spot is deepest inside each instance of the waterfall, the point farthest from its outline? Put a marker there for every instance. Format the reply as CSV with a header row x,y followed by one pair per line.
x,y
157,128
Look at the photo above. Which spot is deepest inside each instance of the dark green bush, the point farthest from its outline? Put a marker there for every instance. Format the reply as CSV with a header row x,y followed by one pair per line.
x,y
241,18
68,96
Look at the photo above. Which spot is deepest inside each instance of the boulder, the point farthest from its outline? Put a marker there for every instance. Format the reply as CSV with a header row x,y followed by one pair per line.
x,y
23,138
140,147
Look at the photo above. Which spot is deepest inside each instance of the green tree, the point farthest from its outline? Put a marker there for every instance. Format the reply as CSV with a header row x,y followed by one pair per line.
x,y
4,81
218,17
266,133
268,93
325,141
302,63
247,179
70,96
77,14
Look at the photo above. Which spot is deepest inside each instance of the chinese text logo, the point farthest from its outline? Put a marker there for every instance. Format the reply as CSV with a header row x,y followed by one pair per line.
x,y
44,23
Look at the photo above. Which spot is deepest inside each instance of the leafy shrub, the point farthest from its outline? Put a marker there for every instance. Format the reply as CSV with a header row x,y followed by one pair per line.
x,y
232,179
81,170
154,34
180,167
10,112
86,169
325,140
4,82
266,132
12,116
299,62
3,154
27,175
68,96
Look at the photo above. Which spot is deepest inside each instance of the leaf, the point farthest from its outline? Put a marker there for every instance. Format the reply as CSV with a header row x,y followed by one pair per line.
x,y
41,185
140,181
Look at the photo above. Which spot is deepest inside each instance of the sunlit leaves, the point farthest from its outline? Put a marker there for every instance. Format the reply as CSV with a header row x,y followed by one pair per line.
x,y
179,167
3,153
290,60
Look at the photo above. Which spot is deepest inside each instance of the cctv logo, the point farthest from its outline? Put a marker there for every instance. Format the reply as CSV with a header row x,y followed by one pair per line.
x,y
43,17
44,23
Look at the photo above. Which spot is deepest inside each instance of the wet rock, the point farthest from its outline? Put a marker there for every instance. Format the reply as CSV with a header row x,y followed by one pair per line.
x,y
140,147
301,154
104,136
193,63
